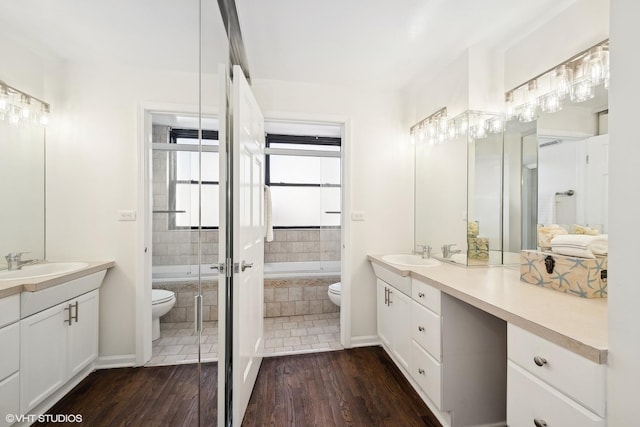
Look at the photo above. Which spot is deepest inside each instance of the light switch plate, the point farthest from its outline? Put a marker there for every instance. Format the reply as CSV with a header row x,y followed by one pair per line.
x,y
357,216
126,215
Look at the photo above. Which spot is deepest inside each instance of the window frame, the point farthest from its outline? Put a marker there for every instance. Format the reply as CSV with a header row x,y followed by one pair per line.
x,y
182,133
299,140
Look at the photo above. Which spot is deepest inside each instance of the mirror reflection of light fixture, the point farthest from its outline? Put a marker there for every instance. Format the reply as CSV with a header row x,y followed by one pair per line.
x,y
19,108
574,79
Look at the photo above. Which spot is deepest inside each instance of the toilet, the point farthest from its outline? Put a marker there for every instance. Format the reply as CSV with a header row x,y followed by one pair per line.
x,y
334,293
161,302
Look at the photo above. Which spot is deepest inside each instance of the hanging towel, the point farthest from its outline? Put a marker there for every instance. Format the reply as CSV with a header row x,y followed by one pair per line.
x,y
580,245
268,222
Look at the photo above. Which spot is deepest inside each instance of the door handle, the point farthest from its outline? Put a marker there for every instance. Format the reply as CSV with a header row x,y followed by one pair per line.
x,y
244,265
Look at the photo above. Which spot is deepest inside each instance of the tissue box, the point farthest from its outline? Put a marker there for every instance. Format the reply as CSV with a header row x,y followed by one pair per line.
x,y
478,248
586,278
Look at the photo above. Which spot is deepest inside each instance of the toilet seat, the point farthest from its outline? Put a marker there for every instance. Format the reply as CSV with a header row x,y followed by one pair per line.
x,y
159,296
335,288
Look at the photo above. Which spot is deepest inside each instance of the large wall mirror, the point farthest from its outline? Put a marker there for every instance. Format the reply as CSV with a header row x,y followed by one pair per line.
x,y
458,191
556,172
22,168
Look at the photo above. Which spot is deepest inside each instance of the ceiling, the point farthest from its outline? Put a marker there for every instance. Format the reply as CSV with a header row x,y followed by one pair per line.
x,y
337,42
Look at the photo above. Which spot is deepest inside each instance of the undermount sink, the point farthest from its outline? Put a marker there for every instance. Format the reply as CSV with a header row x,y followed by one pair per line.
x,y
410,260
42,270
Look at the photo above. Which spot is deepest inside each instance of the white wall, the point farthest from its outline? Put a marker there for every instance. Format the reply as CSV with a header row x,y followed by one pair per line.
x,y
578,27
624,208
93,172
381,163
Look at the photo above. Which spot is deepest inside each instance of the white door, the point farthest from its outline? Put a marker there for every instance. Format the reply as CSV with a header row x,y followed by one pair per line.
x,y
248,242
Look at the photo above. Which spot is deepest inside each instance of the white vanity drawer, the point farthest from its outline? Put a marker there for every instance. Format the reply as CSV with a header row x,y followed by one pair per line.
x,y
529,399
9,309
9,398
581,379
426,295
427,372
426,329
9,350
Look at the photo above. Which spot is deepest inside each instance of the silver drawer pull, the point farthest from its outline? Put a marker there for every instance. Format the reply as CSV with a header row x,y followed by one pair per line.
x,y
539,423
421,328
421,371
421,294
540,361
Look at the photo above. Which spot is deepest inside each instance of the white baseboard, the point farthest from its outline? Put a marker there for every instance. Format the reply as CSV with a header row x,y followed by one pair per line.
x,y
365,341
118,361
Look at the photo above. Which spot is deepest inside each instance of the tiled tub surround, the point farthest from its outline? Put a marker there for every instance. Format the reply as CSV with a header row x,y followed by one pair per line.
x,y
298,296
180,247
183,310
290,289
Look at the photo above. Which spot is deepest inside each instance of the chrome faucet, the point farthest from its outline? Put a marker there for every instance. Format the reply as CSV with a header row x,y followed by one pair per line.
x,y
425,251
15,262
447,250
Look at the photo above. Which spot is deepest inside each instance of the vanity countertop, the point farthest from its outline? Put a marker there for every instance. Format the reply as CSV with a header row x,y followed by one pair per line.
x,y
11,287
577,324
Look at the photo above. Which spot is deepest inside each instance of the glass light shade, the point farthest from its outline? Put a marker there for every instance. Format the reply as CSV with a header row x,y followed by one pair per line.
x,y
25,106
527,114
551,103
4,99
463,126
562,79
496,125
14,116
509,107
531,95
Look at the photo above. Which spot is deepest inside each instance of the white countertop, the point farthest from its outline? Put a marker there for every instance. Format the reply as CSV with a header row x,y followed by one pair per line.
x,y
11,287
577,324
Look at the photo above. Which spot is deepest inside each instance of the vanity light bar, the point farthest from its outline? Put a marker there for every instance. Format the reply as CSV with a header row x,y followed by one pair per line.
x,y
18,107
474,124
575,79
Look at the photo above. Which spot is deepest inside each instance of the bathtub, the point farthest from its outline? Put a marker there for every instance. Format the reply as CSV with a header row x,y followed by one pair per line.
x,y
290,288
275,270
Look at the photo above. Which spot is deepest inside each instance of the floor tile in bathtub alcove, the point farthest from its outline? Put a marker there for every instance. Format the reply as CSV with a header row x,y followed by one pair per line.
x,y
178,344
301,334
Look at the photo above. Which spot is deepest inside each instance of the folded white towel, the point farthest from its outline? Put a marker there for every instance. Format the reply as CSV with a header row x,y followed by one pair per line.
x,y
268,222
580,245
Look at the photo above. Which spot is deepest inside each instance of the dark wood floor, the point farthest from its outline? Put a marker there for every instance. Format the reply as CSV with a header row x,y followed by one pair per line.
x,y
357,387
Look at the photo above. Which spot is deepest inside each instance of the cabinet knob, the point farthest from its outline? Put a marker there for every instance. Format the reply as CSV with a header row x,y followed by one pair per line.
x,y
540,361
421,328
421,294
539,423
421,371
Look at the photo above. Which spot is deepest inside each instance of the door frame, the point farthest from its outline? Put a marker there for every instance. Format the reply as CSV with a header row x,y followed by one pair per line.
x,y
144,230
345,225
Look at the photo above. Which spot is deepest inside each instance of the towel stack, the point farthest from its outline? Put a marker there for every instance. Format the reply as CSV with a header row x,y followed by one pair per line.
x,y
580,245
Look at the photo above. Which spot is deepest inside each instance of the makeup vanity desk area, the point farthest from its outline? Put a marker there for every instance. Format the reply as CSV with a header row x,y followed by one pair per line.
x,y
556,343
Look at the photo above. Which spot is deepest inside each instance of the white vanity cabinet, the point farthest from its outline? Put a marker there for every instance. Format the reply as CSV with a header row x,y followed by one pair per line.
x,y
56,344
551,386
394,321
9,357
458,357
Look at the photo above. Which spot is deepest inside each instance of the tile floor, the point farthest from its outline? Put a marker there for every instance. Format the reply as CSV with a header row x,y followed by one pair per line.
x,y
301,334
283,335
178,344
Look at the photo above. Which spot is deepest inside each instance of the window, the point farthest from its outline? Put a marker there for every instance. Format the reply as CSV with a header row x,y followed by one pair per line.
x,y
304,175
184,179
